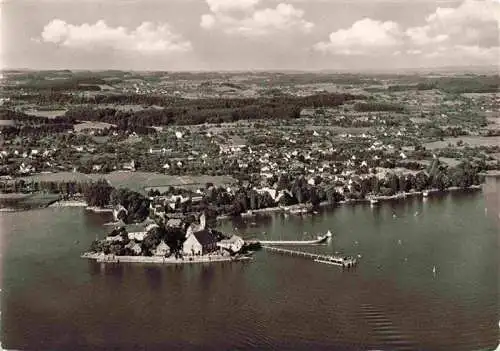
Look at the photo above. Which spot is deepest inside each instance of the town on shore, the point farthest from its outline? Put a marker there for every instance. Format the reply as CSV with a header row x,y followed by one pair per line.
x,y
236,144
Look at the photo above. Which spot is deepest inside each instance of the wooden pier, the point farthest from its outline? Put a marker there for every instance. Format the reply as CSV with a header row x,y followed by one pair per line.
x,y
338,260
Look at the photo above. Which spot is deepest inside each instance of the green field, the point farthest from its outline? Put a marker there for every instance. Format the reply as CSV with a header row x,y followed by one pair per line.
x,y
471,140
26,201
138,181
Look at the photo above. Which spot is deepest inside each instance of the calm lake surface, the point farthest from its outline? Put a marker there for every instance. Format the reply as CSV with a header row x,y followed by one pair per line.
x,y
54,300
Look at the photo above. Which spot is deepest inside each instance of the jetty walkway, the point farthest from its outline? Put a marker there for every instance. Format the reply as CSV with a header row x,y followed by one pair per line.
x,y
320,240
338,260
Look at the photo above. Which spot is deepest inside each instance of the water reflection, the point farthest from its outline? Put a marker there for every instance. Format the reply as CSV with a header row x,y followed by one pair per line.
x,y
206,277
154,276
391,300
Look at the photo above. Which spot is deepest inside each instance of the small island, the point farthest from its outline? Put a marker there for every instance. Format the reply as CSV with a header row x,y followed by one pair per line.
x,y
169,241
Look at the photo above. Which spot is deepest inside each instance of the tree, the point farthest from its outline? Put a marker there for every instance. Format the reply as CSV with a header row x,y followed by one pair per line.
x,y
283,182
253,199
314,198
330,195
464,175
393,183
375,185
152,240
441,181
402,182
421,181
410,182
365,187
98,194
433,168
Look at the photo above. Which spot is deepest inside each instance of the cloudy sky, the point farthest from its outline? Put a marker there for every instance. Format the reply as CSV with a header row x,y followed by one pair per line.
x,y
248,34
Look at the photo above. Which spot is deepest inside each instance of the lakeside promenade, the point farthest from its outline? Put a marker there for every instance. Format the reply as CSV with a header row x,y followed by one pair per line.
x,y
211,258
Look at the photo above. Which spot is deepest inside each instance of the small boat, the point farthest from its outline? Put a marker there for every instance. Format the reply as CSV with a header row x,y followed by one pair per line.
x,y
434,270
373,201
425,193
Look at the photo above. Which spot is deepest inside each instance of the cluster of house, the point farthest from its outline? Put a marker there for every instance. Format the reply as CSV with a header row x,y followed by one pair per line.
x,y
29,160
199,240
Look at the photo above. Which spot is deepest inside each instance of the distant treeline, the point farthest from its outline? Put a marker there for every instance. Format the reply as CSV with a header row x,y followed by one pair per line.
x,y
96,193
452,85
177,111
377,106
59,84
187,112
127,120
25,119
318,100
29,125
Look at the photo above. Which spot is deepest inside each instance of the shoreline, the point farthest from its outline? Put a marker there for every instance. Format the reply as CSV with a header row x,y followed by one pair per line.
x,y
68,203
96,209
253,213
103,258
379,198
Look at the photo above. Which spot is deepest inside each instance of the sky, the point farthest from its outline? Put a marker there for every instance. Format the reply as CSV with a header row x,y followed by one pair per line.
x,y
248,34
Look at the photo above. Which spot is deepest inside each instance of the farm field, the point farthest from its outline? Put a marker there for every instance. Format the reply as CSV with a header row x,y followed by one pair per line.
x,y
46,113
471,140
138,181
92,125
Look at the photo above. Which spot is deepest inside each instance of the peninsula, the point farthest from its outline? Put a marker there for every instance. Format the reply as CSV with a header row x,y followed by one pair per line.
x,y
169,242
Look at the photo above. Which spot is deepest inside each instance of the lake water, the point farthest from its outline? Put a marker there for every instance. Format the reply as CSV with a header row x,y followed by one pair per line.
x,y
54,300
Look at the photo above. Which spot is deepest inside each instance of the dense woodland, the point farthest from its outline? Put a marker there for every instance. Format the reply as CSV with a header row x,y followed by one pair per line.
x,y
179,112
377,106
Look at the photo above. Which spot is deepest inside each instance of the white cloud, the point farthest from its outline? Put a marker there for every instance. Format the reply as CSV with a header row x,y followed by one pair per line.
x,y
147,38
231,5
364,36
207,21
255,22
468,32
414,52
420,36
474,22
465,55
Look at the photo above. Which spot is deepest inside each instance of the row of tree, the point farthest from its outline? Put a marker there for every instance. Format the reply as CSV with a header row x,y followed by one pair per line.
x,y
298,191
377,106
102,194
